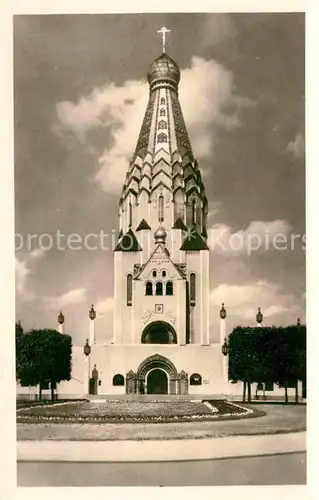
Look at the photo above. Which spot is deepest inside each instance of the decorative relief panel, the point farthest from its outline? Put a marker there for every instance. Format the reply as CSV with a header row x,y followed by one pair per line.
x,y
171,317
147,316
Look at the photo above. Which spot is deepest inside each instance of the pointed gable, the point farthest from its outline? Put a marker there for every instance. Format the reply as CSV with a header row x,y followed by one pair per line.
x,y
128,243
142,225
194,241
160,256
179,224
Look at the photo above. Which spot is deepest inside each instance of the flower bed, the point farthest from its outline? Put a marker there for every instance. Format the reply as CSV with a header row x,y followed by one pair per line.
x,y
131,412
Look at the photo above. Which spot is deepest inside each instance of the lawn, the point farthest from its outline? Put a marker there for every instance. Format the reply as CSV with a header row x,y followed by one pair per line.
x,y
132,411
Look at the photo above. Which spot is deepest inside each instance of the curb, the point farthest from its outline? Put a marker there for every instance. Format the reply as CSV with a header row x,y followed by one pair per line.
x,y
158,451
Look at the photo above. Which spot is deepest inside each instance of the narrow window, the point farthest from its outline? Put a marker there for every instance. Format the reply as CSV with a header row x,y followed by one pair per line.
x,y
162,112
162,100
161,208
154,274
162,125
129,289
162,137
163,274
169,288
130,215
159,288
194,213
192,279
149,288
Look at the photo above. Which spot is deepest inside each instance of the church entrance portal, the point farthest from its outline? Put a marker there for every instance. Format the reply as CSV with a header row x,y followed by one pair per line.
x,y
157,382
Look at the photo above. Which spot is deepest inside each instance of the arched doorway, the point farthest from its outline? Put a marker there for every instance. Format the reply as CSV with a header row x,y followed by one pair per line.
x,y
159,332
157,367
157,382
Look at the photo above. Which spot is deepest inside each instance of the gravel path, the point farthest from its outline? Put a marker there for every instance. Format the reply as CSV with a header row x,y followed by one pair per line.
x,y
279,419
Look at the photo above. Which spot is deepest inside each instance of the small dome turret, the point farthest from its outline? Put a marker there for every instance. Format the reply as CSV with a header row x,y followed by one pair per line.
x,y
160,235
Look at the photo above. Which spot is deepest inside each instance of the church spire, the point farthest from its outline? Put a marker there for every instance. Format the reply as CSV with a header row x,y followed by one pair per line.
x,y
163,161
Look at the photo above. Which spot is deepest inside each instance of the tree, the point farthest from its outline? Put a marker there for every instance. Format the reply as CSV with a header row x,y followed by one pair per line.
x,y
44,359
244,345
268,354
290,357
18,335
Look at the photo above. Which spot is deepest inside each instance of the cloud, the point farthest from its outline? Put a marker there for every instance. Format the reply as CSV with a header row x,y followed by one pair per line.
x,y
21,274
297,146
74,296
120,109
259,235
243,300
24,267
105,306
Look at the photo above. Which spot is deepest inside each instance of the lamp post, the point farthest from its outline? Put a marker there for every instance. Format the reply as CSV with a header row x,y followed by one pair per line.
x,y
87,352
61,323
223,342
92,316
259,317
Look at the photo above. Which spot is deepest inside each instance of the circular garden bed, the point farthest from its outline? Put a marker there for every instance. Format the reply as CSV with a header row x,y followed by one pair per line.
x,y
134,412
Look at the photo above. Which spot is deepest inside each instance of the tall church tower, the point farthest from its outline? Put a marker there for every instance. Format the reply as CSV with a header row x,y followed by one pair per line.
x,y
161,260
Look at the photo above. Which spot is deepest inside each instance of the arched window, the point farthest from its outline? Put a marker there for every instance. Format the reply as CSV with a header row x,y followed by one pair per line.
x,y
154,274
129,289
195,379
118,379
162,100
149,288
161,208
194,212
169,288
163,274
192,280
159,288
162,112
130,215
162,137
162,125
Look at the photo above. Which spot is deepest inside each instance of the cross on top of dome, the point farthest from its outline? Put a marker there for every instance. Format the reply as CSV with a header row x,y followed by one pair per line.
x,y
163,32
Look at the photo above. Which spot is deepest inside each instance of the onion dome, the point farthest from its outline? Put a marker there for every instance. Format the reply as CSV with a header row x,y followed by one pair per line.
x,y
164,70
61,318
160,235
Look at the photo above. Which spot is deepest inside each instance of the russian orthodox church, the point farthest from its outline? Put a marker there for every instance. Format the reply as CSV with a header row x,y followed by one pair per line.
x,y
161,333
161,338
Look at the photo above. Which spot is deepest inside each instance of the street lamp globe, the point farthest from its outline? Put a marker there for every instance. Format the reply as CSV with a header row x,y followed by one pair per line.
x,y
259,316
225,348
223,312
87,348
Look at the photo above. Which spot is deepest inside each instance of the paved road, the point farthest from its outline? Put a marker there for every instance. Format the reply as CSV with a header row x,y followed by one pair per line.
x,y
262,470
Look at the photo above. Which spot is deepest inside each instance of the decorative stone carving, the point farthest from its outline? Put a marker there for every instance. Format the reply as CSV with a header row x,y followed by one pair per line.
x,y
171,317
147,315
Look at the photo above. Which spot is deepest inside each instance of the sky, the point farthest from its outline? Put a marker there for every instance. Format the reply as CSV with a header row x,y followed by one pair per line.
x,y
80,94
